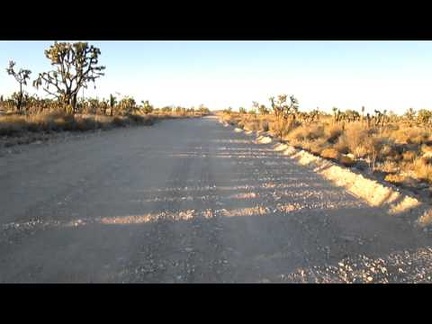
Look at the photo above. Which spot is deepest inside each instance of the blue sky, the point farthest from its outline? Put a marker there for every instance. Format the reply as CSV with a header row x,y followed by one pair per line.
x,y
392,75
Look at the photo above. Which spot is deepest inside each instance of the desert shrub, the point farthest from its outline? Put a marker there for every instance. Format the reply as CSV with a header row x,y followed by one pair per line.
x,y
355,136
148,120
264,125
426,159
341,145
69,123
426,149
317,146
410,135
332,133
136,119
422,169
140,120
311,146
85,123
13,120
331,153
418,136
400,179
252,125
42,122
302,133
103,121
119,122
315,132
360,151
409,156
388,167
282,127
346,161
388,151
12,124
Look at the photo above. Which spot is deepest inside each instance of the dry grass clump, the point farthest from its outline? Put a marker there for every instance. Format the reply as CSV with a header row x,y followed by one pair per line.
x,y
422,169
332,132
410,135
300,133
355,138
282,127
317,146
11,125
331,153
346,160
388,150
400,179
341,145
264,125
252,125
409,156
389,167
426,150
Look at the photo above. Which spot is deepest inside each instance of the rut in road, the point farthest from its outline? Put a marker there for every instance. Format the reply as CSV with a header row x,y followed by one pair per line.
x,y
190,201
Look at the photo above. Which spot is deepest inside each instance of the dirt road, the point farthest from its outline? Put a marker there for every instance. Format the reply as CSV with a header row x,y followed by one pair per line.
x,y
190,201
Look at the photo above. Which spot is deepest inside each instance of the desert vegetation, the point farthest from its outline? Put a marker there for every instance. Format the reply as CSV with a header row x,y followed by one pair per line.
x,y
74,67
394,148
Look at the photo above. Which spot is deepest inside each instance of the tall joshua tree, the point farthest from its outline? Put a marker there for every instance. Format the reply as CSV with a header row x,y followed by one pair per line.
x,y
75,65
21,77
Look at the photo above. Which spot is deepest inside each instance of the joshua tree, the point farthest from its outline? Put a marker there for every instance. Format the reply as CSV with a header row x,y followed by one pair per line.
x,y
380,117
336,114
76,64
424,116
112,103
282,109
147,108
263,110
410,114
127,105
21,77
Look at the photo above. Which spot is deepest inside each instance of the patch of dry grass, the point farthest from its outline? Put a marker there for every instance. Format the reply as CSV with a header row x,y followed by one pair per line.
x,y
305,133
332,132
393,148
356,137
281,127
422,169
410,135
12,125
331,153
346,160
401,179
389,167
409,156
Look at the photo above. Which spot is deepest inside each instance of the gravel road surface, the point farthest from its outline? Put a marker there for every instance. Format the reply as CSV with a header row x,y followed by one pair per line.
x,y
188,201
